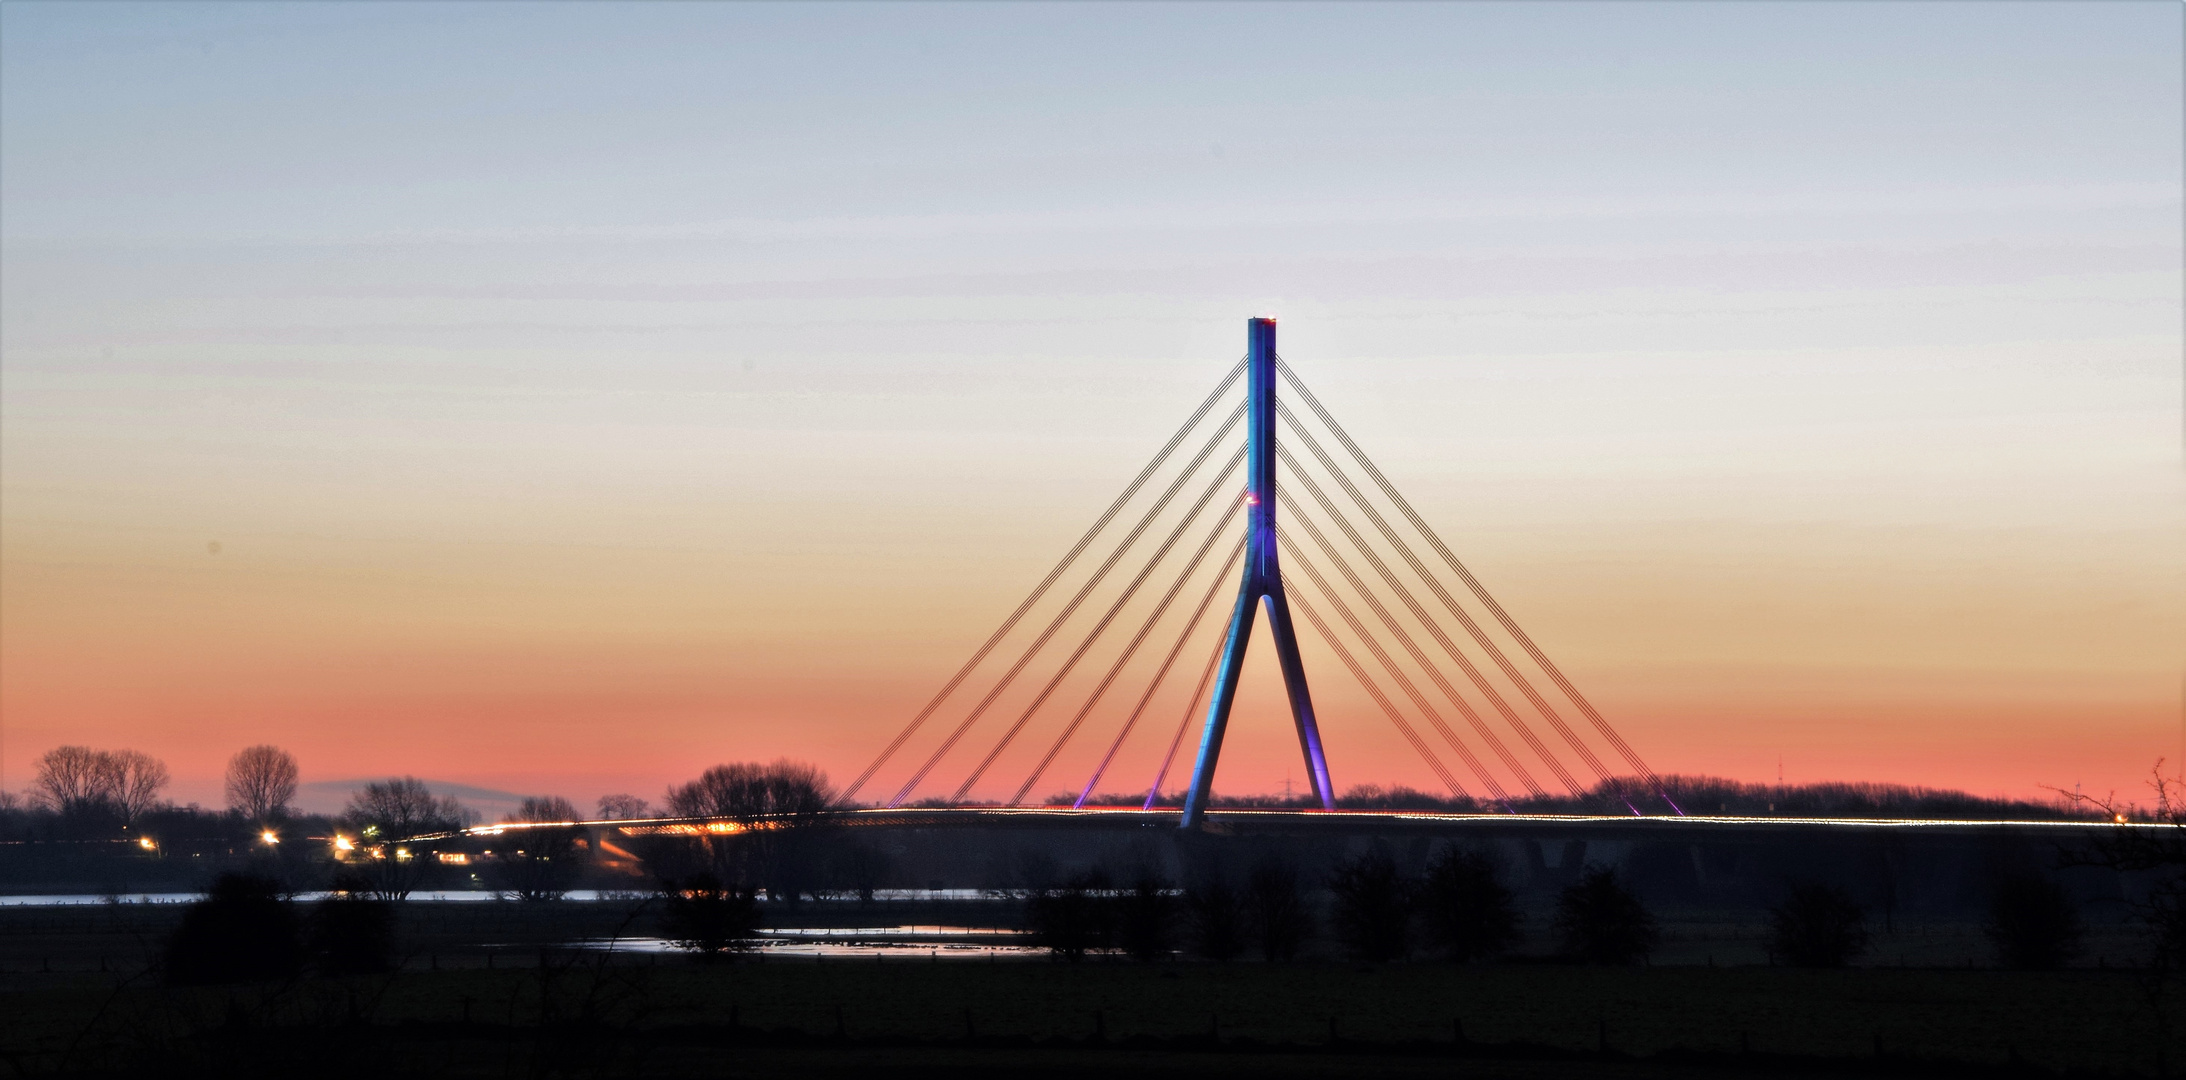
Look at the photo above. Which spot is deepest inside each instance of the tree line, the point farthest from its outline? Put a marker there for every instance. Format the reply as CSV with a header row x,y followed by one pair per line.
x,y
1459,910
1701,795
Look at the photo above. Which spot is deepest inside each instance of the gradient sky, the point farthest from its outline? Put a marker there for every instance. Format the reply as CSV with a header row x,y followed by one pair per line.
x,y
566,397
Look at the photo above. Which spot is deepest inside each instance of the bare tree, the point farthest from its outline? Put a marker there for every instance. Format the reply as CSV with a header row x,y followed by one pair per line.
x,y
73,780
541,864
623,807
138,778
401,806
2156,854
261,781
776,803
1466,908
1817,925
76,781
1276,909
788,792
1602,922
2033,922
387,812
709,918
1372,913
1214,913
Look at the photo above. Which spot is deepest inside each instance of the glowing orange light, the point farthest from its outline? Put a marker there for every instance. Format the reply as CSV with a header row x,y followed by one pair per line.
x,y
269,836
146,843
343,843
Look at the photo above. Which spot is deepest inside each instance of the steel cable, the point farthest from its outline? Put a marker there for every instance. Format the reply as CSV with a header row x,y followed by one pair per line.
x,y
1478,680
1510,626
1083,591
1221,478
1396,674
1129,650
1510,716
1199,694
1046,583
1161,673
1419,745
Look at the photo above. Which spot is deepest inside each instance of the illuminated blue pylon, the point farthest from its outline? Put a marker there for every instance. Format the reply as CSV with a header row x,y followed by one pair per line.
x,y
1263,581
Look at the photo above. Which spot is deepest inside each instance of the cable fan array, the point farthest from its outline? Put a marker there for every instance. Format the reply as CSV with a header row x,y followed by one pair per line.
x,y
1109,672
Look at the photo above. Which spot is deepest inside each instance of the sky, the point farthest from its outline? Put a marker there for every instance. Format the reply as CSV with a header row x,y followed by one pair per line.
x,y
562,398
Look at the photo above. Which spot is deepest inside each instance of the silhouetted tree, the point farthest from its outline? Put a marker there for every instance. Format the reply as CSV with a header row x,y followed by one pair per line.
x,y
1372,913
90,789
385,814
352,935
539,863
1275,909
783,790
1214,917
1601,922
139,777
2156,855
1146,917
401,807
709,917
261,781
1073,918
779,803
623,808
2032,922
73,781
1817,926
864,868
243,931
1466,911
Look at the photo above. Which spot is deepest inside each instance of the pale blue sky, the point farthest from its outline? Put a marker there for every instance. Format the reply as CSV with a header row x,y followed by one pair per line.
x,y
1750,308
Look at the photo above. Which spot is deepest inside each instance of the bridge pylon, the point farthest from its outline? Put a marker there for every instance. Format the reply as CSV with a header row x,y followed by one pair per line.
x,y
1263,583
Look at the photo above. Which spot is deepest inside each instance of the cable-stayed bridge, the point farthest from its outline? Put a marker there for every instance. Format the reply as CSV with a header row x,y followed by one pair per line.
x,y
1120,652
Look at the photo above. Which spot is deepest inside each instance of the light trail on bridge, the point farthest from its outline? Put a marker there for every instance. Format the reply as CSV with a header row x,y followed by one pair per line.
x,y
1252,820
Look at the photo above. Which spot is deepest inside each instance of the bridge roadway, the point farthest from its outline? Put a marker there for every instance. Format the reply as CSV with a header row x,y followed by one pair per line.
x,y
1240,822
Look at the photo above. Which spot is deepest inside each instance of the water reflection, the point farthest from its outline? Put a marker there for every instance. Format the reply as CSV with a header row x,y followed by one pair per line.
x,y
872,942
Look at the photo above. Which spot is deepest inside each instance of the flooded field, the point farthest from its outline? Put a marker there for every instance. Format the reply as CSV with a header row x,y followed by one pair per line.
x,y
872,942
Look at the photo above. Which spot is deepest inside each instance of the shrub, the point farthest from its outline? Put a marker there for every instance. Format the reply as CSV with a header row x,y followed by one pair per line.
x,y
1601,922
2032,922
1073,918
1372,913
351,935
708,917
1275,909
1214,916
1817,926
1465,910
1145,917
538,864
242,931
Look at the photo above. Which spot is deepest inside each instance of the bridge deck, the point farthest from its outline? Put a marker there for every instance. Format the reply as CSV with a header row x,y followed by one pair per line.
x,y
1248,821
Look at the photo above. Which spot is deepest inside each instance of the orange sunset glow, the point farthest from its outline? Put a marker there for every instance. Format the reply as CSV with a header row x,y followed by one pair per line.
x,y
540,444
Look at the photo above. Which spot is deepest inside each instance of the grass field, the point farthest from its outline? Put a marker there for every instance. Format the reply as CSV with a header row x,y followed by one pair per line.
x,y
588,1015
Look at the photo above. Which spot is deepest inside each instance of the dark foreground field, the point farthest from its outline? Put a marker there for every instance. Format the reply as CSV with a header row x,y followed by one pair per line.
x,y
576,1014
